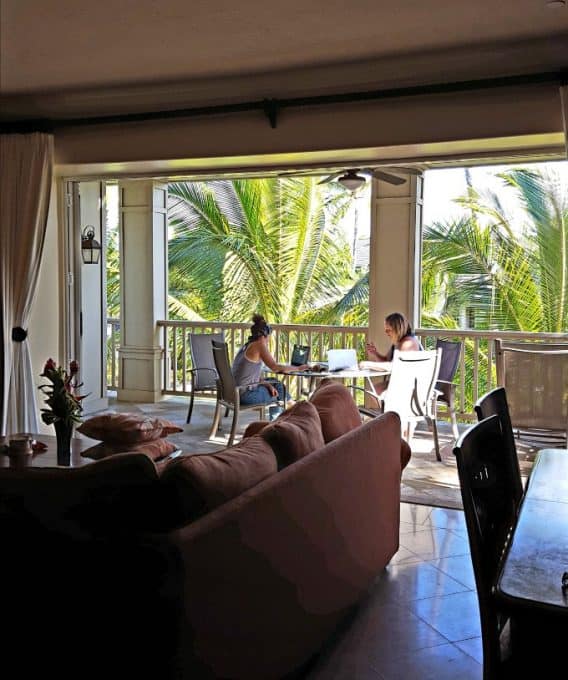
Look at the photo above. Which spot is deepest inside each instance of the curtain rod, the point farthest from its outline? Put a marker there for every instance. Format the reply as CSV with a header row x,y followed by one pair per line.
x,y
272,107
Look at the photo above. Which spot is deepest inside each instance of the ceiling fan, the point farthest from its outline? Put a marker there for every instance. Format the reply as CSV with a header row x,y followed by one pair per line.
x,y
353,178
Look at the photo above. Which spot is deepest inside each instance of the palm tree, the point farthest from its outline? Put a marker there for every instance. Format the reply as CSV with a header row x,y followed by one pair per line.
x,y
513,276
266,245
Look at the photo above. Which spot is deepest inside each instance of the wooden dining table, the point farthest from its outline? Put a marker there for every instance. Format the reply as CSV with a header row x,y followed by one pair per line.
x,y
531,575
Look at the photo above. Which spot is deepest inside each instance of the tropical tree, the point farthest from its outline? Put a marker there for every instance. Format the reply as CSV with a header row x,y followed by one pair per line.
x,y
510,273
266,245
513,276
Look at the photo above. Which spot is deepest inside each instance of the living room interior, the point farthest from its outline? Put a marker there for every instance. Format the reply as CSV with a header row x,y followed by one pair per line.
x,y
144,93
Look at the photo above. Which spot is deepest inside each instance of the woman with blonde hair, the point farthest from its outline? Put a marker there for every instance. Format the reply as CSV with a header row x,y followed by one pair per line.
x,y
401,335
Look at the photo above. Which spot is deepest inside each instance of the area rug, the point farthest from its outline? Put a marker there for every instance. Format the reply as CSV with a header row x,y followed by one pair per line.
x,y
425,480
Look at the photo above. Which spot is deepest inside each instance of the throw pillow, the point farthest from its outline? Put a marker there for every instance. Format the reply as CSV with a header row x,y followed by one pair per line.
x,y
337,409
294,434
168,427
121,428
157,449
201,482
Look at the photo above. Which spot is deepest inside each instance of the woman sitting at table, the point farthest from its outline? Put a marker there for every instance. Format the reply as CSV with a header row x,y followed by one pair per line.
x,y
399,332
249,363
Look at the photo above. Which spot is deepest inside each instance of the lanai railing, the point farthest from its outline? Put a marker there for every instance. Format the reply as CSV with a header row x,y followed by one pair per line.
x,y
476,373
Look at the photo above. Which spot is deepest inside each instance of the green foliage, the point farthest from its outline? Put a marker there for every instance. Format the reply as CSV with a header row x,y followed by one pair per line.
x,y
266,245
511,276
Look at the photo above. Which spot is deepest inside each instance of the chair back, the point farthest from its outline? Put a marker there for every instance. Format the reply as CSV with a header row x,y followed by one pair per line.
x,y
490,512
495,403
535,377
412,383
226,385
205,373
451,352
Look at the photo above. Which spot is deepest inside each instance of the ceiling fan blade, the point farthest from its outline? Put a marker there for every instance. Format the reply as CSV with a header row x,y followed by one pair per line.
x,y
387,177
405,171
330,178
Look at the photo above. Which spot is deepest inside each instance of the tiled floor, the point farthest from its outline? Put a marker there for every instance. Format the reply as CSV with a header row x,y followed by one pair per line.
x,y
420,619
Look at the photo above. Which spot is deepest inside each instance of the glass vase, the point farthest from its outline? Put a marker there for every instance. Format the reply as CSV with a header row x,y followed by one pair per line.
x,y
64,433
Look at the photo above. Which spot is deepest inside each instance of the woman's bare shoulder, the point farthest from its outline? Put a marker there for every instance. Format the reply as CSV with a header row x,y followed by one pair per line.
x,y
409,344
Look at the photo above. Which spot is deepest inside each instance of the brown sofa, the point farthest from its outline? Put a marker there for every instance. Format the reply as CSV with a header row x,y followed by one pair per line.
x,y
250,589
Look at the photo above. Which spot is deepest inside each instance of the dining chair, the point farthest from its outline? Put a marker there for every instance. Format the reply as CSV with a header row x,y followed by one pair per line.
x,y
228,393
451,352
495,403
535,376
411,392
203,371
490,513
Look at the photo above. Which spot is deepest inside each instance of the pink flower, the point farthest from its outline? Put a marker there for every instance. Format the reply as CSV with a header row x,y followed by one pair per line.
x,y
49,366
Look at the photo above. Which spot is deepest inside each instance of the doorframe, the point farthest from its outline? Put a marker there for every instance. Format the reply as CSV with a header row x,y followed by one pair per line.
x,y
72,341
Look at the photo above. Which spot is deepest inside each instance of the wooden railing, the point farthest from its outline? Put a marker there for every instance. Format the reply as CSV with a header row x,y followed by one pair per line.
x,y
476,372
177,359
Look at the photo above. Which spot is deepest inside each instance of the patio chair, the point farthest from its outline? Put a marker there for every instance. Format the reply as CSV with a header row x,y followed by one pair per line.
x,y
228,393
203,373
495,403
490,511
535,376
451,352
411,392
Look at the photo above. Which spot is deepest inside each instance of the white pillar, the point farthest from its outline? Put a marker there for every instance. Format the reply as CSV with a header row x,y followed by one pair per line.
x,y
143,269
395,254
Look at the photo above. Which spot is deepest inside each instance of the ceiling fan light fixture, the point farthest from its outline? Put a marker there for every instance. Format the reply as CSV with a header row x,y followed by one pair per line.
x,y
351,181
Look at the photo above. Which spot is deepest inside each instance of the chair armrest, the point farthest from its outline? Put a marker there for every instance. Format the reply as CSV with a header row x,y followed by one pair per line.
x,y
445,391
369,412
376,397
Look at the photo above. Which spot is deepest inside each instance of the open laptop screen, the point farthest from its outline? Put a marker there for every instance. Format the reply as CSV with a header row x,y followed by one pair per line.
x,y
339,359
300,355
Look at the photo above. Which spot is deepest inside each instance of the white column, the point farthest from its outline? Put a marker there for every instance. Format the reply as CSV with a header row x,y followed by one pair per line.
x,y
395,254
143,269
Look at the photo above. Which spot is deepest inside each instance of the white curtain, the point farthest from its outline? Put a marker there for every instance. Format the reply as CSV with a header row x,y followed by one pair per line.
x,y
26,165
564,104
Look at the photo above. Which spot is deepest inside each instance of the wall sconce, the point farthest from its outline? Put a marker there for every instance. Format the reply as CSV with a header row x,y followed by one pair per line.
x,y
90,248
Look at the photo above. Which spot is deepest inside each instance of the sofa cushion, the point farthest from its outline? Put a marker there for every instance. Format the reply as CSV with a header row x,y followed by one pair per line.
x,y
255,427
405,454
199,483
122,428
294,434
337,409
156,449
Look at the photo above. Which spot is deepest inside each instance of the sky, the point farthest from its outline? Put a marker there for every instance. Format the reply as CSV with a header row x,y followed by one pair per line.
x,y
442,186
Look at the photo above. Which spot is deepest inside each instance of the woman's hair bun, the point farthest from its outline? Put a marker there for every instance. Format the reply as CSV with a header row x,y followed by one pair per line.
x,y
258,319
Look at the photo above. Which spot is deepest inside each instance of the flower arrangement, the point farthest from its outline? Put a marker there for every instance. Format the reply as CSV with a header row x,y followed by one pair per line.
x,y
64,404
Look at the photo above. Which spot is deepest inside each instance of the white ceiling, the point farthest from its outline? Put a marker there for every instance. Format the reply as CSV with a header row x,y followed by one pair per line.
x,y
217,50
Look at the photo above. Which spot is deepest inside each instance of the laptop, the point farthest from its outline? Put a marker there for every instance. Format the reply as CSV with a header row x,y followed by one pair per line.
x,y
340,359
300,355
